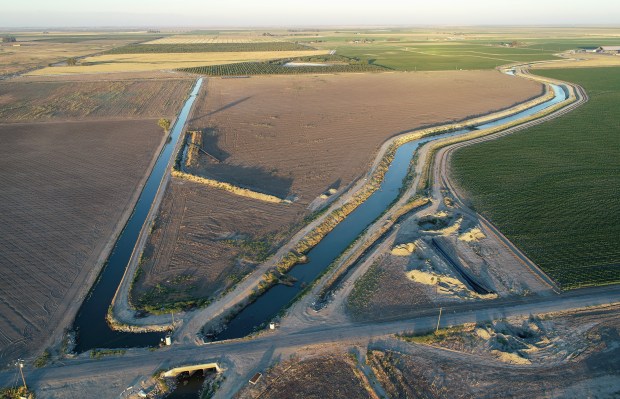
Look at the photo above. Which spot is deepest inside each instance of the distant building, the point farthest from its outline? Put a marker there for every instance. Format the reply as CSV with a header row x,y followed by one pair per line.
x,y
609,49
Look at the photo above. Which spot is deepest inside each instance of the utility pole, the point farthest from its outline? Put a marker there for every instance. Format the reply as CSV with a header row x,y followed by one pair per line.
x,y
438,320
20,364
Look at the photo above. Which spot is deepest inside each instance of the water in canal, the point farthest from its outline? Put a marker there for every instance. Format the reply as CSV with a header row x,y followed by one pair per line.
x,y
90,323
93,331
268,305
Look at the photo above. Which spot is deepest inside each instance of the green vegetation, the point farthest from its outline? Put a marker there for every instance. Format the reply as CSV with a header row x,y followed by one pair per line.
x,y
8,39
16,393
255,250
42,360
432,337
208,48
164,124
334,64
99,353
363,290
553,189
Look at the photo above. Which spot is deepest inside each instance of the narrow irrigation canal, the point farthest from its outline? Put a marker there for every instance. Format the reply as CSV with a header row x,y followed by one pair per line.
x,y
268,305
90,323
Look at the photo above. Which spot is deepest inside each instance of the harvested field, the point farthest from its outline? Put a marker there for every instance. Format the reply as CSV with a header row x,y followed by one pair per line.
x,y
177,47
334,376
65,188
214,39
40,101
257,129
203,241
113,63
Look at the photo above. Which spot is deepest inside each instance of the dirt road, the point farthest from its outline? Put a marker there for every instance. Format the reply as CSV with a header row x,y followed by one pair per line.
x,y
142,362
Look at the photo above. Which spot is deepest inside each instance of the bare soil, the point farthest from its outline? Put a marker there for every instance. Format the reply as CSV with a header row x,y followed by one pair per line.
x,y
302,135
425,374
65,188
204,240
29,101
334,376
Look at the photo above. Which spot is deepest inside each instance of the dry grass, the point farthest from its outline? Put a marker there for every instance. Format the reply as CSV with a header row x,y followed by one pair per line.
x,y
583,61
64,186
112,63
40,101
31,55
334,376
200,39
204,240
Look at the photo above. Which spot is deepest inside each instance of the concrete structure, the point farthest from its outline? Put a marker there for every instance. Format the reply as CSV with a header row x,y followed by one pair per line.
x,y
609,49
192,368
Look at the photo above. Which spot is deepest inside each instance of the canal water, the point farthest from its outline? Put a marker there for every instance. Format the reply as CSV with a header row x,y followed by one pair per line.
x,y
93,331
268,305
90,323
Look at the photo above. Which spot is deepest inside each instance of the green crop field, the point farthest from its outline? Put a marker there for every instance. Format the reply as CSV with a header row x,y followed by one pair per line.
x,y
276,67
554,190
208,47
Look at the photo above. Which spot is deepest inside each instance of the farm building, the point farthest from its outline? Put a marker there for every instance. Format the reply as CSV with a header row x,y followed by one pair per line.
x,y
609,49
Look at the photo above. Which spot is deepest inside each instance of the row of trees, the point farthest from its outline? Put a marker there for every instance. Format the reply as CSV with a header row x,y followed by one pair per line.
x,y
9,39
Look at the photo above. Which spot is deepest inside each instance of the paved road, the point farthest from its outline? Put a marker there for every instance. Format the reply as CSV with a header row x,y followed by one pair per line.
x,y
143,362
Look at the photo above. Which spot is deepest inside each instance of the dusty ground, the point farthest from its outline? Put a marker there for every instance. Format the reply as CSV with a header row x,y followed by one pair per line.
x,y
205,240
305,134
335,376
547,339
28,101
24,56
65,186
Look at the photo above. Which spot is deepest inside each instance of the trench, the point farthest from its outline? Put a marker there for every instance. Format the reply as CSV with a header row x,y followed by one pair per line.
x,y
90,323
266,307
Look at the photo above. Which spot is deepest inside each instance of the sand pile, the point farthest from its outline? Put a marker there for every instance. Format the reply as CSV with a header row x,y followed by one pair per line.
x,y
404,249
473,235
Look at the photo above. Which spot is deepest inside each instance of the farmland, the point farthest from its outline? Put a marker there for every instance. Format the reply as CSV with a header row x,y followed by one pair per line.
x,y
115,63
208,48
58,100
279,67
67,186
552,189
203,241
33,51
254,128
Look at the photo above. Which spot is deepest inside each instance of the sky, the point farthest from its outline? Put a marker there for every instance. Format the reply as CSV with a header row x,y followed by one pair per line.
x,y
287,13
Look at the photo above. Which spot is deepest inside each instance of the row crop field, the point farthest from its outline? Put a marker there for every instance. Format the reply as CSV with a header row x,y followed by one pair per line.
x,y
208,47
330,64
553,189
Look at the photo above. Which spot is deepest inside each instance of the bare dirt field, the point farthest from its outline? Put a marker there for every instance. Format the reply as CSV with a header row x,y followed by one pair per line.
x,y
542,339
26,101
305,134
571,354
204,240
65,187
334,376
23,56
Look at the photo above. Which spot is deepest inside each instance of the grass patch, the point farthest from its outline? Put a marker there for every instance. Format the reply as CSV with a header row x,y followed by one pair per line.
x,y
42,360
553,189
363,290
99,353
432,337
